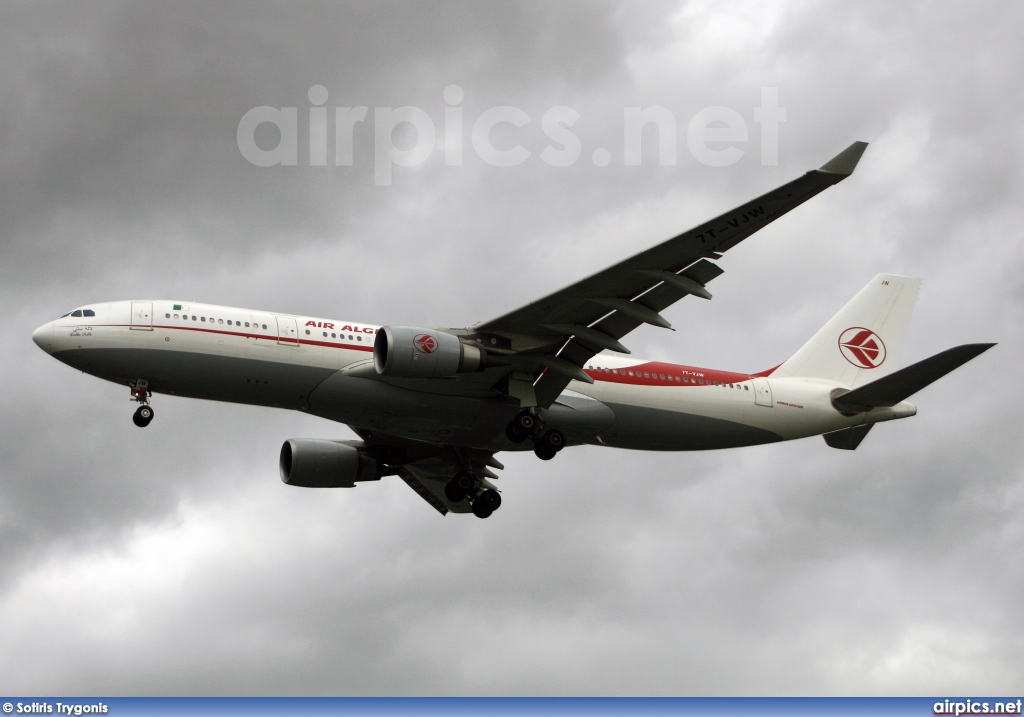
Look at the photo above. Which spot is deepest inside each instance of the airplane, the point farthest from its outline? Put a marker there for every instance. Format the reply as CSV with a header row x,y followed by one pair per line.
x,y
433,406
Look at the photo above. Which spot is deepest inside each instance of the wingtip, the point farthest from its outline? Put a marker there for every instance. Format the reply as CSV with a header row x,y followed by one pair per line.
x,y
846,161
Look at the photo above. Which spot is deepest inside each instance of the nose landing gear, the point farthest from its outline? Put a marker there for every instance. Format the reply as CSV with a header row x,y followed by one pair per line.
x,y
140,394
465,485
143,415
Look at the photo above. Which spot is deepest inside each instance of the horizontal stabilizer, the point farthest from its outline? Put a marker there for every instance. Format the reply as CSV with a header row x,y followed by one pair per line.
x,y
899,385
848,438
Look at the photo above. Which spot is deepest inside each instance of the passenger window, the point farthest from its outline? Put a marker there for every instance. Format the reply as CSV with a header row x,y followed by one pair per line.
x,y
202,318
264,326
175,316
325,334
194,318
307,332
246,324
167,316
333,336
359,338
220,321
76,312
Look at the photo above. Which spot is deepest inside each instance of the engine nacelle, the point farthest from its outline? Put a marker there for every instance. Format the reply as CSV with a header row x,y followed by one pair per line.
x,y
316,463
410,352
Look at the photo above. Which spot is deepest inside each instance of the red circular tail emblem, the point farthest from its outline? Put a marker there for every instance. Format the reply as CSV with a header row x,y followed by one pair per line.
x,y
425,343
862,347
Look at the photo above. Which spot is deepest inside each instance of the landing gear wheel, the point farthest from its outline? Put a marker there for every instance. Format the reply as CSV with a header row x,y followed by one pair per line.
x,y
553,441
464,481
545,454
143,415
525,423
513,434
480,511
490,500
453,493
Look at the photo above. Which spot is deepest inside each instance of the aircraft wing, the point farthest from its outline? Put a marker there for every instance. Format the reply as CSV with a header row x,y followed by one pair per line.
x,y
429,482
426,467
562,331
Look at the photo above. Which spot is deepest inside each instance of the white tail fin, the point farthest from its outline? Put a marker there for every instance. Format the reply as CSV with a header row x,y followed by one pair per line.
x,y
864,341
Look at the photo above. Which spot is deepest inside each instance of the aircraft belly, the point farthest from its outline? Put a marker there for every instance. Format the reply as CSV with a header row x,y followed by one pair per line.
x,y
659,429
201,375
369,404
701,417
684,417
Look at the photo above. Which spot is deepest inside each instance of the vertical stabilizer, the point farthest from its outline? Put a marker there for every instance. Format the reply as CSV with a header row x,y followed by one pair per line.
x,y
864,341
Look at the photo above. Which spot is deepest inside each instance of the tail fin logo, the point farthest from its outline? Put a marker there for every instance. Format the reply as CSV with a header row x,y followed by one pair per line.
x,y
862,347
425,343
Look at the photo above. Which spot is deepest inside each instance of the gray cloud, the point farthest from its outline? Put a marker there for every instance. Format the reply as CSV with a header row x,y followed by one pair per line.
x,y
173,561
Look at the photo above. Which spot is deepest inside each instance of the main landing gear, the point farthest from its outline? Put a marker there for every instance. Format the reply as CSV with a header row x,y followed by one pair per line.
x,y
465,485
527,425
140,394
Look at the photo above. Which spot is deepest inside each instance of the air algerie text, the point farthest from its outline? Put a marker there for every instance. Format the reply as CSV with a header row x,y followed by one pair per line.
x,y
346,327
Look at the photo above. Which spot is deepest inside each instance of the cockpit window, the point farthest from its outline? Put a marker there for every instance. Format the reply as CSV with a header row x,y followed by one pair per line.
x,y
76,312
64,316
88,312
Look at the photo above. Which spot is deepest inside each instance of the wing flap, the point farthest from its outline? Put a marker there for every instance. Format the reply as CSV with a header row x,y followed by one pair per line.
x,y
427,492
428,476
617,324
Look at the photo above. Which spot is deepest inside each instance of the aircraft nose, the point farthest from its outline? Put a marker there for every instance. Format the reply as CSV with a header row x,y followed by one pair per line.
x,y
43,336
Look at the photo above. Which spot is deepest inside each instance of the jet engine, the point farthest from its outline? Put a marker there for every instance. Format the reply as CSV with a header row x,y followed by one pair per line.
x,y
410,352
316,463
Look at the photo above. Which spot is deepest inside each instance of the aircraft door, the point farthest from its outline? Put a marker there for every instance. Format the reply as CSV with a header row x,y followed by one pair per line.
x,y
762,392
287,331
142,315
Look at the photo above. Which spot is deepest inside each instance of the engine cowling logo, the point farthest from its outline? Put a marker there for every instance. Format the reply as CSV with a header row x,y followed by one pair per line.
x,y
425,343
862,347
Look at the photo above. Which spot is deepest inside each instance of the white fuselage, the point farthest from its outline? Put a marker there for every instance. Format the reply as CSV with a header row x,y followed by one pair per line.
x,y
324,367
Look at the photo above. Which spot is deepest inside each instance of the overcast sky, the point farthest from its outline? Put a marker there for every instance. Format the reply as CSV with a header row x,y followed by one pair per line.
x,y
174,561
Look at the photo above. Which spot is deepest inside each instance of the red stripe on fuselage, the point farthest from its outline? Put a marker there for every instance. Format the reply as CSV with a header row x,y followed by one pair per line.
x,y
687,375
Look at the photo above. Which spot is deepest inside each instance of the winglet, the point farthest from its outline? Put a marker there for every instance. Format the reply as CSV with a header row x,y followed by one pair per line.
x,y
846,161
